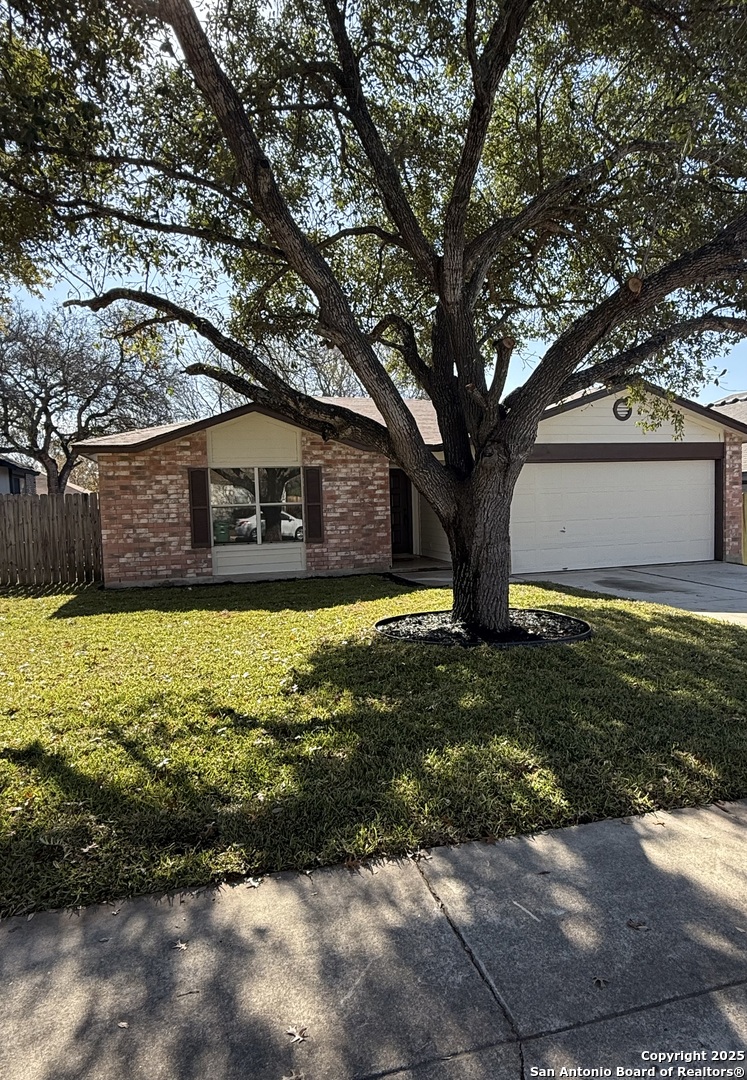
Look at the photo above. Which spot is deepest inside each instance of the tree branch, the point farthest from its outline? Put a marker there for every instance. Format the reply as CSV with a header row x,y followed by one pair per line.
x,y
337,422
482,250
336,316
627,362
723,257
329,421
155,164
487,74
385,172
94,210
408,348
364,230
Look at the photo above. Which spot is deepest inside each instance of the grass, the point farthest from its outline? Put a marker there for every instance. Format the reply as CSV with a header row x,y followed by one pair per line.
x,y
156,739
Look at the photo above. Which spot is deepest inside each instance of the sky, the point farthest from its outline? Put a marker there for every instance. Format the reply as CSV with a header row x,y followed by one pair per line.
x,y
733,382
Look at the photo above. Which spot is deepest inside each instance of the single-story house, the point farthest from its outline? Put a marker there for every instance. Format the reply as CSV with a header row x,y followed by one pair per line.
x,y
247,494
735,406
16,479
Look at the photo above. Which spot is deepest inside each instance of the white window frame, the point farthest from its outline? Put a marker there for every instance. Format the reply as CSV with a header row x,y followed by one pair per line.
x,y
257,504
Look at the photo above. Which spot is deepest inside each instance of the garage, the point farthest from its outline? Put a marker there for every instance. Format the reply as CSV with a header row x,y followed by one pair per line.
x,y
572,516
602,489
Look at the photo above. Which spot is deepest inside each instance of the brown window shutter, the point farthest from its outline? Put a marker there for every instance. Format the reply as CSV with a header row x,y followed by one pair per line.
x,y
199,507
312,497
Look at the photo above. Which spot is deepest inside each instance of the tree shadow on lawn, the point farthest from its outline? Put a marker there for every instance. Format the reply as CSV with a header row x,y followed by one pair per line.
x,y
305,594
384,748
396,747
367,963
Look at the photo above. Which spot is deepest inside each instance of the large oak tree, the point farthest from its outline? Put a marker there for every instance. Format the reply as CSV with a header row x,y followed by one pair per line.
x,y
421,186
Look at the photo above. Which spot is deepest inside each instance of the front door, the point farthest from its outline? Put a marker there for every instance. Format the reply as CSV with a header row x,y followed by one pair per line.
x,y
401,509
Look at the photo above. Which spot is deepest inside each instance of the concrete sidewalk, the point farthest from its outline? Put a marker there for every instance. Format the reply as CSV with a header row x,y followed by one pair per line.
x,y
584,947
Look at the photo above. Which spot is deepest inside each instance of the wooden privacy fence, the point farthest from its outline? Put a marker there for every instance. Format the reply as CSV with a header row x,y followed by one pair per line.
x,y
49,539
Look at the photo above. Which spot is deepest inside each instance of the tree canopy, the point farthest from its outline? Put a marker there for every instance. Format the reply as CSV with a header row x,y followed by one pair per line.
x,y
421,187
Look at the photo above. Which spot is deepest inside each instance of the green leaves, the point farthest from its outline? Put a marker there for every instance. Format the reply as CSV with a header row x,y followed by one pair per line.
x,y
98,112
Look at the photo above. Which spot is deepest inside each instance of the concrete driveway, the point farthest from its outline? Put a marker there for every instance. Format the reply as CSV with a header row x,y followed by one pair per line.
x,y
717,590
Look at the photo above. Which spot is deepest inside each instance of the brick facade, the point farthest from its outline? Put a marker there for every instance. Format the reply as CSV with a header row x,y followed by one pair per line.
x,y
145,514
355,502
732,498
145,520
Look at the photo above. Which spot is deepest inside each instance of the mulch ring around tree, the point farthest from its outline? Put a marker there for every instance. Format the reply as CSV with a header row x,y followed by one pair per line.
x,y
528,626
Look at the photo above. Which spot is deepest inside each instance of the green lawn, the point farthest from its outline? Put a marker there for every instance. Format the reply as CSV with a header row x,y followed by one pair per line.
x,y
154,739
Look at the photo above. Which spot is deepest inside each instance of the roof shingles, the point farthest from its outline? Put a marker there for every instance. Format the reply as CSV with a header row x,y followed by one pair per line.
x,y
422,410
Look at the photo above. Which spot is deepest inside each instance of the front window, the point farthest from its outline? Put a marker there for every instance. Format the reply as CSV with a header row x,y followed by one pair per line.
x,y
256,506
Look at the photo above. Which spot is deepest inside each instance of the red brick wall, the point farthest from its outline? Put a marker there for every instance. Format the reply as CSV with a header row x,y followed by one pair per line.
x,y
732,498
355,497
145,522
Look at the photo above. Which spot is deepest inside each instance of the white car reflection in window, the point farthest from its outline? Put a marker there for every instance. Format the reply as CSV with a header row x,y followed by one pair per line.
x,y
291,528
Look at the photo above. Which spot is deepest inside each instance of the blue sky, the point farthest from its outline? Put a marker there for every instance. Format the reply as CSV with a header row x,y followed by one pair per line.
x,y
735,361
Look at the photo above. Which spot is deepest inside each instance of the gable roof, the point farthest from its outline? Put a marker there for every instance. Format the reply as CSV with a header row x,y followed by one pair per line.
x,y
737,424
145,438
422,410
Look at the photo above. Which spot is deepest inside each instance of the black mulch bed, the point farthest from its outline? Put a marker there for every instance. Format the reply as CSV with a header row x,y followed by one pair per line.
x,y
529,626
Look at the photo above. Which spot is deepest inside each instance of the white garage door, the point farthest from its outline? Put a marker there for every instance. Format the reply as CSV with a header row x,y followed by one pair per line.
x,y
578,516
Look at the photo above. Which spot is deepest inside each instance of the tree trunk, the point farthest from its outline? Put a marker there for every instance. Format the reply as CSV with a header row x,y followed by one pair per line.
x,y
480,546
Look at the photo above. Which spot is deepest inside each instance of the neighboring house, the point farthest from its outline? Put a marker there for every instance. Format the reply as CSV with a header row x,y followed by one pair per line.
x,y
182,502
16,479
735,406
42,487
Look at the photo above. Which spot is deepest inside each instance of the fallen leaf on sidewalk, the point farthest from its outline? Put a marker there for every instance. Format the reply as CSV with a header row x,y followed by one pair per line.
x,y
637,924
123,1023
297,1034
180,944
